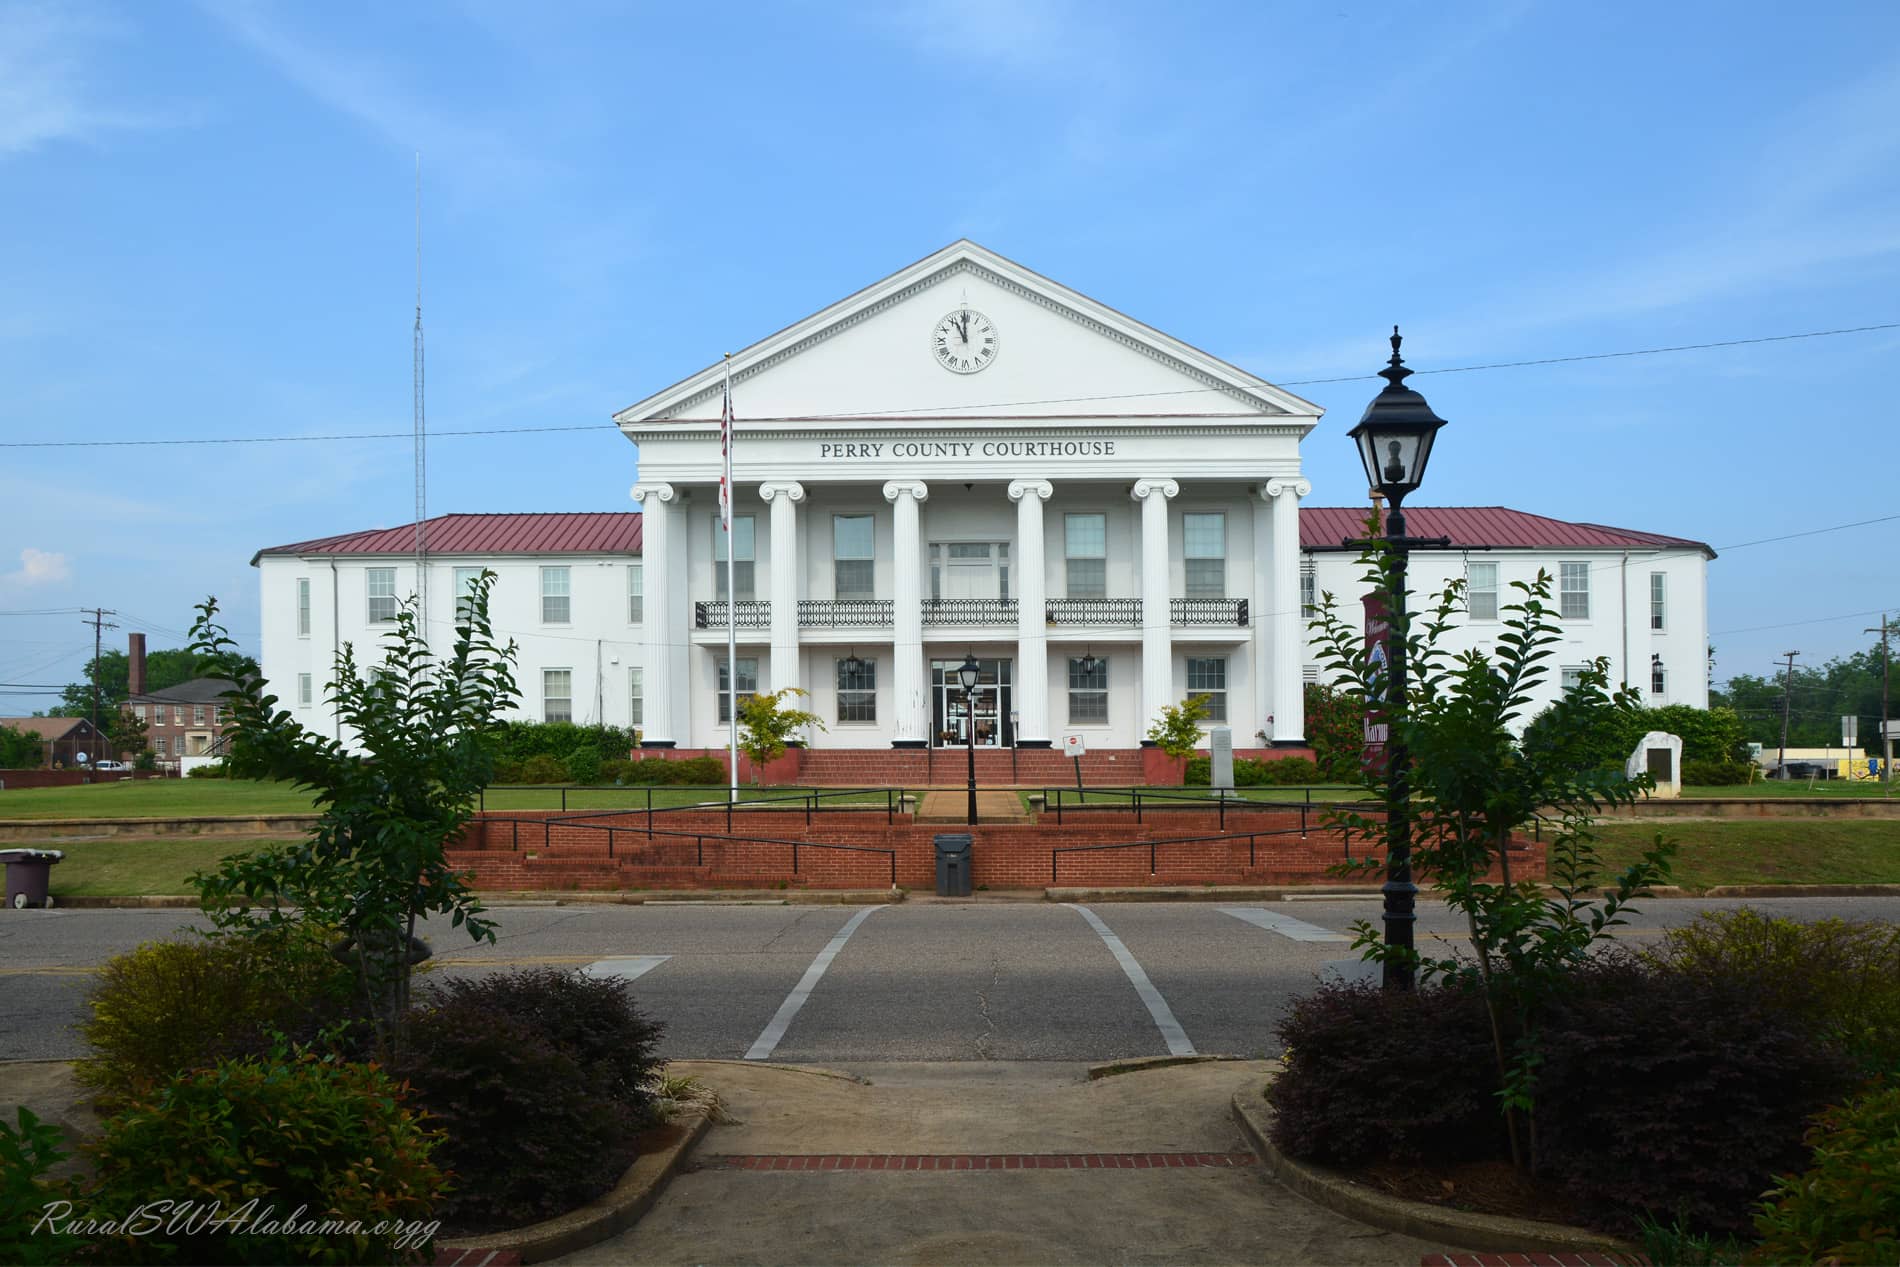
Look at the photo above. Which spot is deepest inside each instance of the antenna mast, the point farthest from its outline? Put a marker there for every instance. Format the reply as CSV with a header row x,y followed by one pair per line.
x,y
422,456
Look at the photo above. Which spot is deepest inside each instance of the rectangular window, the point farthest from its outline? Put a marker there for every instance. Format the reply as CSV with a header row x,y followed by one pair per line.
x,y
1088,691
1481,594
636,697
158,745
743,539
465,579
217,714
303,689
1085,550
1658,678
1209,677
636,594
380,584
857,690
178,714
557,596
748,684
1658,602
303,607
1204,547
557,695
1573,594
197,714
853,554
1309,590
1570,677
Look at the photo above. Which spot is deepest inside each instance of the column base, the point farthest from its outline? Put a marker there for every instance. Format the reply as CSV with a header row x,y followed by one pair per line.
x,y
1288,743
658,743
1147,743
910,743
1035,743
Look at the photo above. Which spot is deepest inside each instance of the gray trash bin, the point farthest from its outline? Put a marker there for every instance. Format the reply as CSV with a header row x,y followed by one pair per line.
x,y
29,874
953,865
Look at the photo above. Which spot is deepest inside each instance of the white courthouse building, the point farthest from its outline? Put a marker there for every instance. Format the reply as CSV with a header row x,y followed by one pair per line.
x,y
963,458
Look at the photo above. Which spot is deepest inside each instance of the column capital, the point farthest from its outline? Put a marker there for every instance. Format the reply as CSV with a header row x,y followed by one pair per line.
x,y
658,492
1280,485
1041,490
917,490
1146,488
792,490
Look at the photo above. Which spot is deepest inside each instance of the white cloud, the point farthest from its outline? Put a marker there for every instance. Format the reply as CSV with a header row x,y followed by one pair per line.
x,y
38,567
47,78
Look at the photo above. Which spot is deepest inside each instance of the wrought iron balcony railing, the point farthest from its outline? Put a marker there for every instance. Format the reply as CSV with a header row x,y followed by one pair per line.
x,y
844,613
750,613
1095,611
1208,611
969,611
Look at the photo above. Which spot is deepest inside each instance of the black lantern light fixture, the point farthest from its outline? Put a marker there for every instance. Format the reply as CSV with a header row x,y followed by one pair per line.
x,y
1088,662
852,665
967,674
1395,437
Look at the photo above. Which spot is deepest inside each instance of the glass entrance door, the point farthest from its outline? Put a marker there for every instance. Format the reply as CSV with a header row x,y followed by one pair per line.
x,y
950,721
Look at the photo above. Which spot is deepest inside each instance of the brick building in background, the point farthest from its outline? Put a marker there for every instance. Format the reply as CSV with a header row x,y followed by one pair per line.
x,y
186,720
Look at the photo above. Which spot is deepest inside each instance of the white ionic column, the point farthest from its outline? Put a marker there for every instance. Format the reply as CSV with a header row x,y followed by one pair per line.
x,y
784,497
1288,655
911,717
1157,642
656,536
1032,625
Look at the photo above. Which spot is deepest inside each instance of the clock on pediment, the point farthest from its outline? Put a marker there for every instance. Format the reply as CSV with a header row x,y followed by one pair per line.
x,y
964,342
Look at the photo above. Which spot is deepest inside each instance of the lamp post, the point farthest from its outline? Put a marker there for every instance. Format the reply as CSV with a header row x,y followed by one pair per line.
x,y
967,673
1395,436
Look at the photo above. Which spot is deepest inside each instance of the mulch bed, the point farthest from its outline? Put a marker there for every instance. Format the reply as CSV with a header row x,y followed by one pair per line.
x,y
1482,1187
651,1140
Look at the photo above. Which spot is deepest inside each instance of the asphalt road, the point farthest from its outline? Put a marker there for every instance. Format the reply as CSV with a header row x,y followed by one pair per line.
x,y
1003,981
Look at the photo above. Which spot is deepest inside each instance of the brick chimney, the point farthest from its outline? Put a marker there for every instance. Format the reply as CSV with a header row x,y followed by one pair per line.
x,y
135,667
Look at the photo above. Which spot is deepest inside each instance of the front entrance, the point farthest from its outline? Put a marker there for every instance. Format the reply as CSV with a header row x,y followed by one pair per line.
x,y
950,722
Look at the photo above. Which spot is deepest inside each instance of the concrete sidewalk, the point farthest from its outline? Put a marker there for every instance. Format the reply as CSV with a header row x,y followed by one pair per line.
x,y
990,1163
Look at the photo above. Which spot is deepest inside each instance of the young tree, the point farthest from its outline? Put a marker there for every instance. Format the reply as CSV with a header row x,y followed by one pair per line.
x,y
1177,731
1474,783
20,749
375,862
765,725
125,731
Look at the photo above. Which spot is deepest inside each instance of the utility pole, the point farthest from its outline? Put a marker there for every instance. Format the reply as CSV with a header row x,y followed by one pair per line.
x,y
1787,694
1886,669
99,625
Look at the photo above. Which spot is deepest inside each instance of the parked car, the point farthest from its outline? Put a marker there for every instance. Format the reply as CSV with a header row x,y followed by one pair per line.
x,y
108,767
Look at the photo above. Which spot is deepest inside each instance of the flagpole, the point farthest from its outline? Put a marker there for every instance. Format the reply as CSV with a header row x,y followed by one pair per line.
x,y
732,606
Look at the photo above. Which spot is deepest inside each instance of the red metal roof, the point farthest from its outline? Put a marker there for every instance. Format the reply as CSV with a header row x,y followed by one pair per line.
x,y
1483,527
603,532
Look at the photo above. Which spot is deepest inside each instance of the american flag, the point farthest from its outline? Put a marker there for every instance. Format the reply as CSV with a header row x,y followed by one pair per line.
x,y
725,455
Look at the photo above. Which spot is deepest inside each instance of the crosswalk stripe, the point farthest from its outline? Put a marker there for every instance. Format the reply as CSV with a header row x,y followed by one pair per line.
x,y
1285,925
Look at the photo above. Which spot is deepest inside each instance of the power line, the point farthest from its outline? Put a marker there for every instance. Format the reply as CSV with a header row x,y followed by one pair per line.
x,y
963,408
1790,624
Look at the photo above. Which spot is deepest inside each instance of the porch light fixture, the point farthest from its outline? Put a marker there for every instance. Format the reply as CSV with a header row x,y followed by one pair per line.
x,y
1395,433
968,673
851,664
1089,662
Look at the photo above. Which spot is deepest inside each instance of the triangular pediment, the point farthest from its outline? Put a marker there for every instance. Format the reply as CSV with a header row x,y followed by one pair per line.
x,y
1059,354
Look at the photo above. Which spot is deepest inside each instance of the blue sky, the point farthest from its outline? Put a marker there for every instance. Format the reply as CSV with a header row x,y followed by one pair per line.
x,y
207,212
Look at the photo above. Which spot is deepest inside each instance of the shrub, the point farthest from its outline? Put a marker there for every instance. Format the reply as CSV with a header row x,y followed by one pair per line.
x,y
173,1006
583,765
507,770
1281,771
1717,773
519,740
216,770
290,1131
1839,979
1845,1208
1670,1095
146,760
27,1154
1336,728
618,770
543,769
541,1080
704,771
1372,1075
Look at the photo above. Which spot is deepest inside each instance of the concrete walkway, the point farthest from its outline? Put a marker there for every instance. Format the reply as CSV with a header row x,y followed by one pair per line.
x,y
991,1163
954,807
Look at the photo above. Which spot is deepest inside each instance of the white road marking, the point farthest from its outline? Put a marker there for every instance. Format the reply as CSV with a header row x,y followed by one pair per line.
x,y
1178,1044
1285,925
781,1020
626,967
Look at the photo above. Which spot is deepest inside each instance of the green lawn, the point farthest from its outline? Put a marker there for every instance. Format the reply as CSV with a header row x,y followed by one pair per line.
x,y
1766,851
138,868
1842,789
195,798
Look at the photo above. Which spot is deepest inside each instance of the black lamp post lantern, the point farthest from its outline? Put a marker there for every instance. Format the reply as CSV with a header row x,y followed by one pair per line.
x,y
1395,436
967,674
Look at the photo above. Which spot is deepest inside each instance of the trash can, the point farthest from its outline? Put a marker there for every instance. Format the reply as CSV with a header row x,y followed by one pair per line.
x,y
28,876
953,865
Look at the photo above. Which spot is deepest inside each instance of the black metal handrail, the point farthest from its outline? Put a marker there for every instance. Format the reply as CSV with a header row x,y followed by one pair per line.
x,y
810,798
750,613
1207,611
1093,611
700,838
1153,846
1056,797
844,613
969,611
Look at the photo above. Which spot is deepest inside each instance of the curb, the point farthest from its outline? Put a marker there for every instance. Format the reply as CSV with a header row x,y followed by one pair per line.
x,y
690,897
1801,890
1234,893
122,903
1494,1232
600,1219
1142,1064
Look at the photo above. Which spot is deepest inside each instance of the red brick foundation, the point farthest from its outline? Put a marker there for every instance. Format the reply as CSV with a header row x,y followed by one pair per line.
x,y
995,767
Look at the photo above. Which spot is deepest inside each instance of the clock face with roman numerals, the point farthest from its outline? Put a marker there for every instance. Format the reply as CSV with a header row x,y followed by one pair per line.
x,y
964,342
